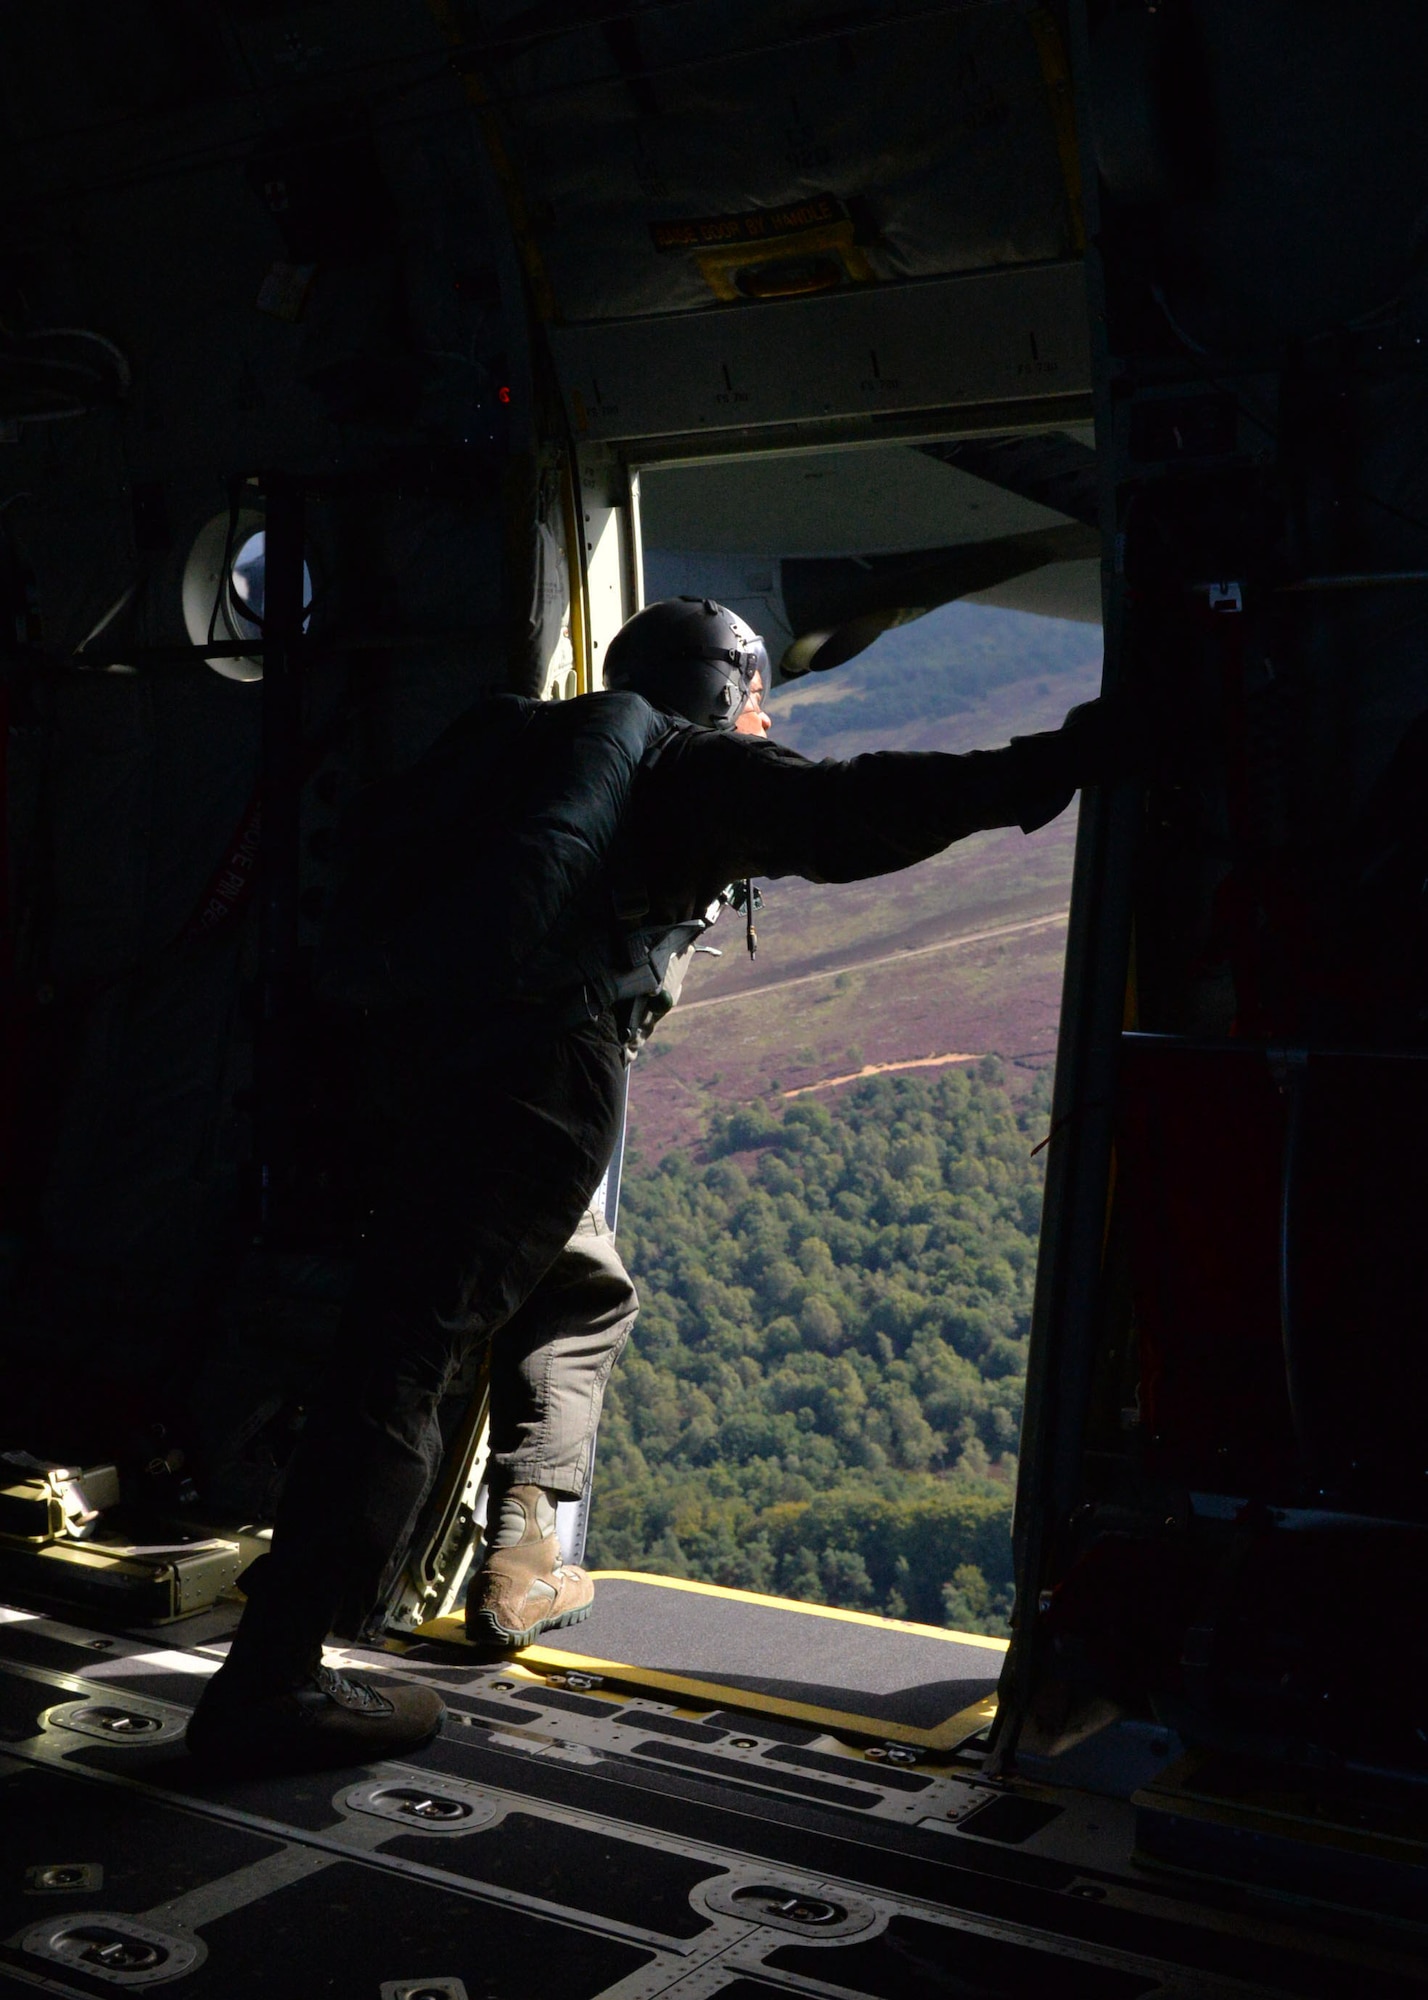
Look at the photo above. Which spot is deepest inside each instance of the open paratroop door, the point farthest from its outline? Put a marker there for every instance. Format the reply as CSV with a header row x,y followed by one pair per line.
x,y
705,278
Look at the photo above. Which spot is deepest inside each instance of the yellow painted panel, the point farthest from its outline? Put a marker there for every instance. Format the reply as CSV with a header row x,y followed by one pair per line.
x,y
538,1661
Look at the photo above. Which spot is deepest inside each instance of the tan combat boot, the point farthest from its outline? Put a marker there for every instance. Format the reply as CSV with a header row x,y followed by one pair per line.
x,y
524,1588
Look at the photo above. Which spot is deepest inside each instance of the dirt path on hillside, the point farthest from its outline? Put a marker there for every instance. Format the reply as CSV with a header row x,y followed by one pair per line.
x,y
880,1069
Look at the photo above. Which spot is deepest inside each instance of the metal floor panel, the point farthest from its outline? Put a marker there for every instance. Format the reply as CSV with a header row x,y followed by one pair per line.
x,y
570,1855
837,1669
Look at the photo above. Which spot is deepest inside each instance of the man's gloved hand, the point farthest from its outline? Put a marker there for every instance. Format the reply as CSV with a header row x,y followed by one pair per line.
x,y
1105,739
1099,742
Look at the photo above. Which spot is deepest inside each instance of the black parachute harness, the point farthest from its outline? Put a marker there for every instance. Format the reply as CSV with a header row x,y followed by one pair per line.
x,y
641,982
694,658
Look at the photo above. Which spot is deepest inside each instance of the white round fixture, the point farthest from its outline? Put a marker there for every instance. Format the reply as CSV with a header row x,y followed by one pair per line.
x,y
224,589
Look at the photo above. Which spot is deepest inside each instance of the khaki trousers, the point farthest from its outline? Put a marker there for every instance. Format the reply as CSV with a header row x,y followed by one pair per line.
x,y
551,1361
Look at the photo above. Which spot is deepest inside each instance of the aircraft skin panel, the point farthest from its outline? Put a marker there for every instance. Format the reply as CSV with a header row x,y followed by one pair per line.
x,y
754,529
1011,336
1058,590
870,500
567,1837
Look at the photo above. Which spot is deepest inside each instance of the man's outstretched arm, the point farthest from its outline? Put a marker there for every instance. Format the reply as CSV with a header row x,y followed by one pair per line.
x,y
747,807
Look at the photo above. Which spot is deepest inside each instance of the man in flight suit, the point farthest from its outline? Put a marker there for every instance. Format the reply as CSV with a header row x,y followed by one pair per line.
x,y
541,867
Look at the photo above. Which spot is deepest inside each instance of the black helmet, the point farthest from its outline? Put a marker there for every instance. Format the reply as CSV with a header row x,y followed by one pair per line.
x,y
688,656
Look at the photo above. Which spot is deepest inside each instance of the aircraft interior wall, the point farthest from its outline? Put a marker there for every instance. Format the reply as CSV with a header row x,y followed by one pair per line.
x,y
1238,1525
758,142
417,288
272,276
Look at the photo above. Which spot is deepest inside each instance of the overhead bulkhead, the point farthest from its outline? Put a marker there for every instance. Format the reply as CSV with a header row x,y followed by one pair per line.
x,y
747,230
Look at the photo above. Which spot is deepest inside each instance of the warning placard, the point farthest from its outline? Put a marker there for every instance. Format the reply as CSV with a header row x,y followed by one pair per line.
x,y
754,225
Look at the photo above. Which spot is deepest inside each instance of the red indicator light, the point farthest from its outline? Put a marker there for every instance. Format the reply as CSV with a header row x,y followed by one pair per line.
x,y
503,394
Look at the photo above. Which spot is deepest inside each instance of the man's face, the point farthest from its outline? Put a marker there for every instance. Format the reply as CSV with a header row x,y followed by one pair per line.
x,y
751,719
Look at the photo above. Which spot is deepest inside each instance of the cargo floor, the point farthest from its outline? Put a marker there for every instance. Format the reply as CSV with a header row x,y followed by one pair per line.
x,y
577,1834
842,1670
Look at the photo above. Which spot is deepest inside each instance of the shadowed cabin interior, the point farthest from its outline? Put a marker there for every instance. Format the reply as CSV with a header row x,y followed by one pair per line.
x,y
358,361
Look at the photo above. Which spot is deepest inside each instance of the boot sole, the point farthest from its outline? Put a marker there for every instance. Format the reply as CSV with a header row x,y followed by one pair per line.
x,y
256,1755
483,1631
246,1738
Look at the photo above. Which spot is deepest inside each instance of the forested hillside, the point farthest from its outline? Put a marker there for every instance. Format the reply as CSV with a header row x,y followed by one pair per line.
x,y
823,1395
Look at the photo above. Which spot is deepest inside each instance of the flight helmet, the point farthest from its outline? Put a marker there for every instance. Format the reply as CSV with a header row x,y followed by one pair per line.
x,y
688,656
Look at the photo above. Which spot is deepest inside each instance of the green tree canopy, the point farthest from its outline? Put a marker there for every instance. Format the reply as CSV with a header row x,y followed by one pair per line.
x,y
823,1396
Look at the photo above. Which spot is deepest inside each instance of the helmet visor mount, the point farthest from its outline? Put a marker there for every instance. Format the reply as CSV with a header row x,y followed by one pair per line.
x,y
745,665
